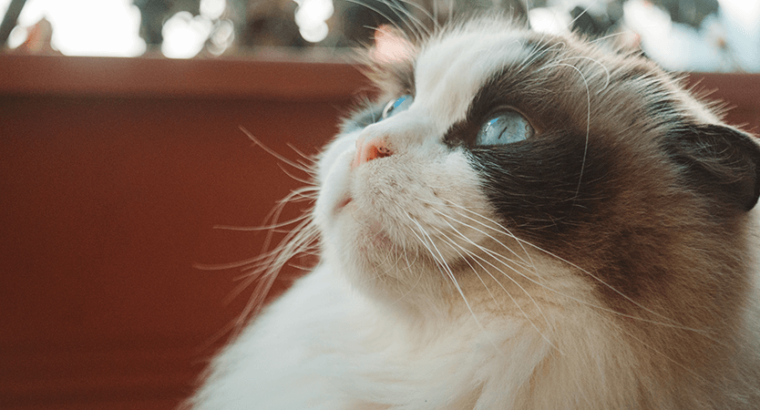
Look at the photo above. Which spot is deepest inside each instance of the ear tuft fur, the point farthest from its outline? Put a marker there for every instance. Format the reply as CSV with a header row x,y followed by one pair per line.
x,y
391,46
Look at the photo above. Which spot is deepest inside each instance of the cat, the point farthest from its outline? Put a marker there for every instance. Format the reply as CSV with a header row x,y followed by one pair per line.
x,y
517,221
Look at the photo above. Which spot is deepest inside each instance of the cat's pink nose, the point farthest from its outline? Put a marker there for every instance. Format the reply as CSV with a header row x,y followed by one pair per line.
x,y
369,149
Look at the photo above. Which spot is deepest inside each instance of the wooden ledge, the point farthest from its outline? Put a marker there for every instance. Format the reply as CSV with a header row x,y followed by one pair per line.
x,y
283,80
276,76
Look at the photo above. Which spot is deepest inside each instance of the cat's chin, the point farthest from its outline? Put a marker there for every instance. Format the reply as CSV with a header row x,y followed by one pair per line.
x,y
383,252
362,237
391,278
364,251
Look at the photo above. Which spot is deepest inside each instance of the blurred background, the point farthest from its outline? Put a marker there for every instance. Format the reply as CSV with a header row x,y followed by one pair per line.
x,y
129,194
686,35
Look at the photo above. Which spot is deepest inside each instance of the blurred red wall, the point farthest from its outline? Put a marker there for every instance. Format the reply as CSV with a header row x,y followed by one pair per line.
x,y
113,174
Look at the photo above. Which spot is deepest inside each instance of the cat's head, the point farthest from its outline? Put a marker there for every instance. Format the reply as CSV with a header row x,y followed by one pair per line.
x,y
498,158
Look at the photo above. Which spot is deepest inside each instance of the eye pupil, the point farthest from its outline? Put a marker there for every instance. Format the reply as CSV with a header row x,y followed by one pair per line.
x,y
397,105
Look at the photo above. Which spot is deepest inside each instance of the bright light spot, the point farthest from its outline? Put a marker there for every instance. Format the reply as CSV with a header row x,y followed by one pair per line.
x,y
549,20
656,30
745,12
675,46
222,37
213,9
739,31
647,19
89,27
184,36
4,6
17,36
313,11
314,33
311,17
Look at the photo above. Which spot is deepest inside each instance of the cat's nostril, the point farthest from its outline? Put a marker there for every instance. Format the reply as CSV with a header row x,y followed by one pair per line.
x,y
370,149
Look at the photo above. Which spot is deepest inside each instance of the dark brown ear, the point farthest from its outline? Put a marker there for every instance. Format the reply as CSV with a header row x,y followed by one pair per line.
x,y
720,162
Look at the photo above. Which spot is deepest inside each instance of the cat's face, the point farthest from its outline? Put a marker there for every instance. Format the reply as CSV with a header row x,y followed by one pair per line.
x,y
496,151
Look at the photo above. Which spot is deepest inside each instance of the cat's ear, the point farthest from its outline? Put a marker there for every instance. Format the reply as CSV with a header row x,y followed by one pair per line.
x,y
719,161
391,46
389,62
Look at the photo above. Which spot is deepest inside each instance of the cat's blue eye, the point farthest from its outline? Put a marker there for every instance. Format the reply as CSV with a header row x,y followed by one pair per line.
x,y
397,105
505,128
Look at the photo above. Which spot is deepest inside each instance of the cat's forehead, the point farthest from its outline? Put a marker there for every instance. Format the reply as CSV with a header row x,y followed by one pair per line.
x,y
451,69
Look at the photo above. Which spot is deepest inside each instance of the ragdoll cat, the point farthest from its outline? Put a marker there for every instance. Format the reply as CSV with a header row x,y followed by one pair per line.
x,y
519,221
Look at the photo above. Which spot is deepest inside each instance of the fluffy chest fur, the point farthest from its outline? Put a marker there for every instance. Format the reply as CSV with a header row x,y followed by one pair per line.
x,y
519,222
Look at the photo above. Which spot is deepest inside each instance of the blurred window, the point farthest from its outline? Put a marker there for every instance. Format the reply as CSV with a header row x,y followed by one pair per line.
x,y
689,35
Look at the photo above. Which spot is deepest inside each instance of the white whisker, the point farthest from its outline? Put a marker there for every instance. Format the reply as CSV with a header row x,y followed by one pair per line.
x,y
407,14
426,13
524,262
517,304
499,257
275,154
570,25
606,71
442,265
390,20
264,227
309,158
301,180
503,231
588,125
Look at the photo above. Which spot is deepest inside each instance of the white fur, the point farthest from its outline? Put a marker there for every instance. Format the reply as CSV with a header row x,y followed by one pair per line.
x,y
462,62
380,324
325,345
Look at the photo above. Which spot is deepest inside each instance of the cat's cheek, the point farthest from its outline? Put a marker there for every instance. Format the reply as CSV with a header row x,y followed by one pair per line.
x,y
334,195
343,143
